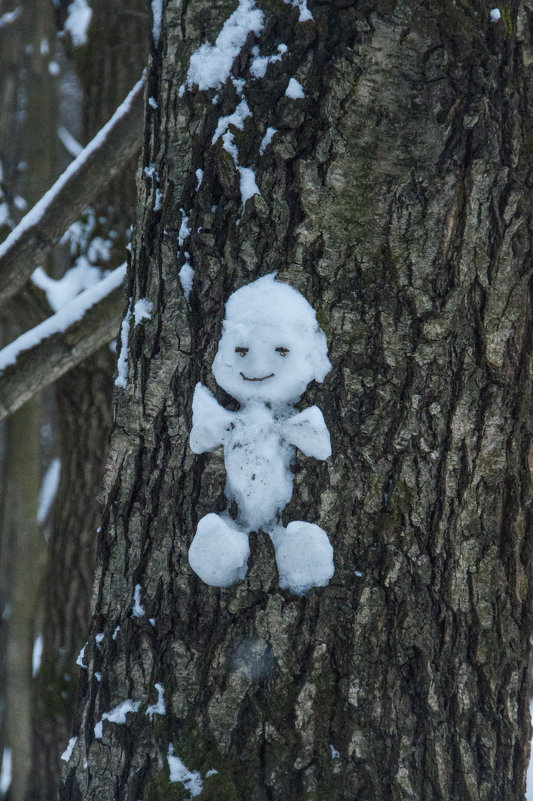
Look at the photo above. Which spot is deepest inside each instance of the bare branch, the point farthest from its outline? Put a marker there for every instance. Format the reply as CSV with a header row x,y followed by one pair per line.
x,y
44,225
43,354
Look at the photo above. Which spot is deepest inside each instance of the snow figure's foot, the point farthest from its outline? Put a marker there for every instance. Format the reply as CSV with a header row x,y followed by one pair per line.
x,y
219,552
304,556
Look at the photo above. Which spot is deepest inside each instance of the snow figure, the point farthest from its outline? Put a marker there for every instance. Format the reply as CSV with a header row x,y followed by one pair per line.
x,y
271,348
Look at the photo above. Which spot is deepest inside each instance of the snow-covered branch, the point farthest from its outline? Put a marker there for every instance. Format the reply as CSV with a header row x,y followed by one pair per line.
x,y
44,225
41,355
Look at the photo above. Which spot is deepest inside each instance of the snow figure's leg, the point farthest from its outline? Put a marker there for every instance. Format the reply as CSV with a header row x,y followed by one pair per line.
x,y
304,556
219,552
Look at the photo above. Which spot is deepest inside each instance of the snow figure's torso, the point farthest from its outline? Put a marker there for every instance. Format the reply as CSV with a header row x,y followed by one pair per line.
x,y
257,460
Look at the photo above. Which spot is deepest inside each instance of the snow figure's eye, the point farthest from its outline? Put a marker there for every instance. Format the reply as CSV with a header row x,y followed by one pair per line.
x,y
283,351
241,351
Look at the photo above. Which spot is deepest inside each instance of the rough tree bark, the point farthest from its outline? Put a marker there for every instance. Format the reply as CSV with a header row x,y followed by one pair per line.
x,y
396,196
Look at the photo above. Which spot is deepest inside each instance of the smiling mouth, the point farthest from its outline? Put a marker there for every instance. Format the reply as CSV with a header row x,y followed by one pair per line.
x,y
264,378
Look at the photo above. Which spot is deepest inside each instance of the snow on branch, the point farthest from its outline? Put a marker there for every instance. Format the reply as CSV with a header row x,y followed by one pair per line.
x,y
44,353
44,225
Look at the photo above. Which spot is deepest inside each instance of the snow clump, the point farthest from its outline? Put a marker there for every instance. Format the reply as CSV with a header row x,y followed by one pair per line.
x,y
210,65
301,5
67,753
122,365
191,779
116,715
78,21
159,707
295,90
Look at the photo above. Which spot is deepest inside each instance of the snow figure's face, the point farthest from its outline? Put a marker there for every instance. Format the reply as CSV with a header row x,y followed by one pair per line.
x,y
271,345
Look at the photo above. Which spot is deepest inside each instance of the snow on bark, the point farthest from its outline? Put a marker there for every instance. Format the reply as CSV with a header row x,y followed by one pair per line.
x,y
210,65
116,715
78,21
157,20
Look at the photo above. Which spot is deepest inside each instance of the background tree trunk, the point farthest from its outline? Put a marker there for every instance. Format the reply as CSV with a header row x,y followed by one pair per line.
x,y
28,154
396,196
108,66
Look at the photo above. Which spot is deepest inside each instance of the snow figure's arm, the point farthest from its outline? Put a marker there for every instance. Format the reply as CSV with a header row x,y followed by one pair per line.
x,y
209,421
308,431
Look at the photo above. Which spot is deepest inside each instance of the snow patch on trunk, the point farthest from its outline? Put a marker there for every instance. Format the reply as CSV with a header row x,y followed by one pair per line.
x,y
191,779
210,65
186,276
143,310
122,365
157,19
301,5
78,21
138,609
295,90
159,707
116,715
67,753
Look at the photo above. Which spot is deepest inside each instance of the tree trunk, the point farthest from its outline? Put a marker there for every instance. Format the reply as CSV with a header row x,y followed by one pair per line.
x,y
396,196
83,396
30,95
23,551
108,66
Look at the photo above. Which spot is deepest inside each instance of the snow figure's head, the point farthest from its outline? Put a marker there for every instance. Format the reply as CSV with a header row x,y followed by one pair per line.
x,y
271,345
